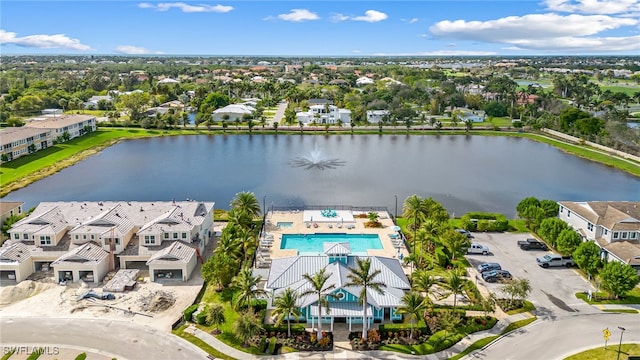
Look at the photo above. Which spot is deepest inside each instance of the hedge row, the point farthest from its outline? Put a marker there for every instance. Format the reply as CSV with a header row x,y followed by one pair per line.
x,y
188,312
482,221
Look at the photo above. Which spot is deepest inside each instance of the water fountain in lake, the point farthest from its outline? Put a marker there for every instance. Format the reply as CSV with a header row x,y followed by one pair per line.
x,y
317,160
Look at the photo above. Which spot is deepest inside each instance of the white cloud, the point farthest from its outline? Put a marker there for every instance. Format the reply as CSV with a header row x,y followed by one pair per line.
x,y
594,6
199,8
356,51
134,50
582,44
442,53
414,20
297,15
56,41
540,26
339,17
371,16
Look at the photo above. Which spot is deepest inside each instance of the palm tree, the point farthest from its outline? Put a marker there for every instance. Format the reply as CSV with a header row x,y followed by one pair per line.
x,y
63,103
455,242
285,307
363,277
455,283
245,237
230,245
215,316
422,282
246,202
414,208
247,286
318,288
413,305
246,326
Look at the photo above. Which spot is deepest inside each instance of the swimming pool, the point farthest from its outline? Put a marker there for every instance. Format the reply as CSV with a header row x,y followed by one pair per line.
x,y
313,243
281,224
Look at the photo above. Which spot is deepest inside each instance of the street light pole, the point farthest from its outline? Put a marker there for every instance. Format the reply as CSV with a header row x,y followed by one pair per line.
x,y
264,209
620,344
395,214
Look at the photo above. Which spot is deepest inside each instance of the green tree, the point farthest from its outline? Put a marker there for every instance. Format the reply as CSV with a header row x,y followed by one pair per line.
x,y
320,289
246,202
488,303
415,209
454,282
618,278
362,277
533,217
219,269
8,223
134,103
247,288
517,290
215,316
214,101
456,243
285,307
422,282
587,257
568,241
247,326
550,228
524,204
412,306
550,208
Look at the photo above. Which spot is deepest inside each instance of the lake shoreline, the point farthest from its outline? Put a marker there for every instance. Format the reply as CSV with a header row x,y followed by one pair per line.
x,y
580,151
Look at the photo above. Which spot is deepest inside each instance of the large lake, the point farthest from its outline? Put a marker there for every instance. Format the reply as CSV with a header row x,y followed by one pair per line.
x,y
464,173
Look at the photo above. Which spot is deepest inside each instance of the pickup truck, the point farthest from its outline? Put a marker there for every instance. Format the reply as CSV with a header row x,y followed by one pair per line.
x,y
476,248
553,260
532,244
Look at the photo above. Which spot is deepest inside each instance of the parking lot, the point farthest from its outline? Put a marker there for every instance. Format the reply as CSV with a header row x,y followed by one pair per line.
x,y
553,289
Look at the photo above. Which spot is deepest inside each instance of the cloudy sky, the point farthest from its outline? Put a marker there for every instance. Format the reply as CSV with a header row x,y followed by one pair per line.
x,y
323,27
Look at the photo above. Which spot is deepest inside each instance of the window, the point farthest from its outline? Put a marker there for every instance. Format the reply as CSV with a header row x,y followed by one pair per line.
x,y
117,241
633,235
184,235
153,237
25,236
45,240
568,213
16,236
147,240
606,231
624,235
84,236
77,237
166,235
590,226
615,234
92,236
175,235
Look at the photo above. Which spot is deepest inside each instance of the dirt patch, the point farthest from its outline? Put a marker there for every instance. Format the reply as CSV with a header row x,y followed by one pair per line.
x,y
157,301
23,290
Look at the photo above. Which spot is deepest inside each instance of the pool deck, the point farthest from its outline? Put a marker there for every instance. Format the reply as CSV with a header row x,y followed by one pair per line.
x,y
311,222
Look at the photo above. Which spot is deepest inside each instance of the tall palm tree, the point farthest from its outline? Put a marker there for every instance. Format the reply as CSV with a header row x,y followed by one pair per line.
x,y
246,238
246,202
413,306
455,283
247,287
230,245
415,209
422,282
286,307
319,288
363,277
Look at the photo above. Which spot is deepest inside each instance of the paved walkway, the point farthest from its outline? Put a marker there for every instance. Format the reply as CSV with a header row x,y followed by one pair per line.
x,y
279,115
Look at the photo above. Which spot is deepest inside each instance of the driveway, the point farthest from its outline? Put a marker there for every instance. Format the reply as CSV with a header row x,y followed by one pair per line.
x,y
553,289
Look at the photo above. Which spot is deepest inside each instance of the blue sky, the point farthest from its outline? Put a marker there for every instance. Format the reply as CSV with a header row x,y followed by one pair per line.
x,y
313,28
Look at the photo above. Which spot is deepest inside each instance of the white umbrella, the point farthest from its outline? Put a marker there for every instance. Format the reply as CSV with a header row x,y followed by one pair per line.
x,y
396,228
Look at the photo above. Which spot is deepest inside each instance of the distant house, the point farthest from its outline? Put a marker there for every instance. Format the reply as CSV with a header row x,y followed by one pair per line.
x,y
363,80
376,116
473,117
52,112
19,141
344,306
234,111
312,102
324,114
613,225
93,101
168,81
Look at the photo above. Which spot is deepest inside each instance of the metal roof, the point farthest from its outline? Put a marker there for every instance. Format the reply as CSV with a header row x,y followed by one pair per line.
x,y
16,252
336,248
87,253
177,253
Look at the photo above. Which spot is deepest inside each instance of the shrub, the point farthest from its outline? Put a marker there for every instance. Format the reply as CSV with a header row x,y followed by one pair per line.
x,y
481,221
188,312
201,318
81,356
272,345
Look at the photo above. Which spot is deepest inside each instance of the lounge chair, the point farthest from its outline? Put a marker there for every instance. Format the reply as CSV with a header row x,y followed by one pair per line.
x,y
308,225
330,226
315,225
339,226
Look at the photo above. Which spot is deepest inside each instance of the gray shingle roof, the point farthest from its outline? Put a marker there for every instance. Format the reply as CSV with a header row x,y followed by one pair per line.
x,y
177,253
16,252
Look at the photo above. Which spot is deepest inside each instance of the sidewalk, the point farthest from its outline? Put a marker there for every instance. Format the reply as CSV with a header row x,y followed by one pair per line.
x,y
342,351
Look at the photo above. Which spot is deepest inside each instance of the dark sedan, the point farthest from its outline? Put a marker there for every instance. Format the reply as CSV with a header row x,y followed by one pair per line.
x,y
496,276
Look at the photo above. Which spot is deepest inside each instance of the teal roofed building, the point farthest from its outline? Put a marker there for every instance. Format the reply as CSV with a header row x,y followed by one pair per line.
x,y
344,308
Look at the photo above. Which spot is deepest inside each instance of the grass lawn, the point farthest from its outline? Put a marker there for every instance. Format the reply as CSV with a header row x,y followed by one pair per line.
x,y
518,325
618,88
199,343
518,226
632,297
225,299
98,113
437,342
610,353
475,346
527,306
499,121
621,311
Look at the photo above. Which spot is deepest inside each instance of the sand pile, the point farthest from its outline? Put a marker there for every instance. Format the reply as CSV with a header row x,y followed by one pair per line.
x,y
157,301
23,290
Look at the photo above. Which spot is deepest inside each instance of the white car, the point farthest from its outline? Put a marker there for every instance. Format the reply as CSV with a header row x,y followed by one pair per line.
x,y
476,248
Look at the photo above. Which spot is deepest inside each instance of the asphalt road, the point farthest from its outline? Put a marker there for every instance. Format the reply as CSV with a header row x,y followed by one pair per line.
x,y
564,336
553,289
123,340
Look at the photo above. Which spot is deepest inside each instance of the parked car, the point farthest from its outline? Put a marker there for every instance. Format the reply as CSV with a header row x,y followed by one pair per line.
x,y
496,275
488,266
476,248
554,260
532,244
465,232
